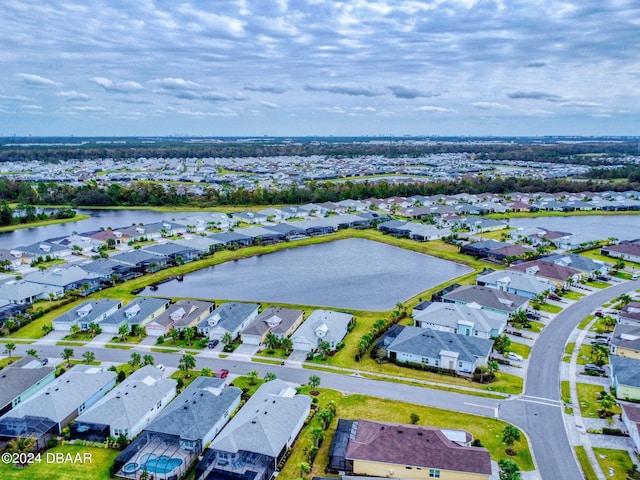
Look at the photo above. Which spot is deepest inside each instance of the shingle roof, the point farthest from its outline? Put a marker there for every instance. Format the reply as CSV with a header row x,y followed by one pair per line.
x,y
194,412
136,311
546,269
626,370
286,317
266,422
20,376
136,257
487,297
169,248
229,315
87,311
429,343
518,281
414,445
449,314
61,277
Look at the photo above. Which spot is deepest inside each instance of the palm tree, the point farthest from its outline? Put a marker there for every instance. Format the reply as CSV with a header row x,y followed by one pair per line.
x,y
47,328
607,402
253,375
287,344
8,348
227,339
148,359
206,372
509,470
271,341
317,434
269,376
304,468
624,299
21,445
510,435
314,381
66,354
189,333
187,362
89,357
33,352
519,317
599,353
325,416
492,367
174,334
92,329
123,331
136,359
609,323
74,330
325,348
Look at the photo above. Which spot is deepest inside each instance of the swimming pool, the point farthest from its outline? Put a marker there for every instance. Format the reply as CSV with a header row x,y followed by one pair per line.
x,y
153,464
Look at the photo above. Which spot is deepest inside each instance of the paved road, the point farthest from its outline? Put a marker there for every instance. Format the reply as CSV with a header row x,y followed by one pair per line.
x,y
538,412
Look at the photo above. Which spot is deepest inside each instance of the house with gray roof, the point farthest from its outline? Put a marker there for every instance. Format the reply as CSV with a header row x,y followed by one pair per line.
x,y
70,278
589,267
230,317
423,346
92,311
513,281
625,250
625,340
22,292
145,261
261,235
175,252
182,429
231,239
137,313
138,233
278,321
249,217
321,326
289,230
128,408
180,315
560,275
168,228
460,319
45,415
630,314
625,377
252,444
42,249
21,380
204,245
109,269
490,299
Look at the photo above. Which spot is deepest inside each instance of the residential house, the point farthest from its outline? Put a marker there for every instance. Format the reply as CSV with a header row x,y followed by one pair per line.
x,y
625,377
630,417
204,245
290,231
104,236
460,319
128,408
254,442
139,233
249,217
230,317
589,268
70,278
278,321
231,239
167,228
77,243
625,340
273,214
380,449
182,429
44,415
180,315
24,292
630,314
261,235
21,380
625,250
321,326
423,346
109,270
139,312
490,299
92,311
9,259
42,249
174,252
562,276
516,282
143,261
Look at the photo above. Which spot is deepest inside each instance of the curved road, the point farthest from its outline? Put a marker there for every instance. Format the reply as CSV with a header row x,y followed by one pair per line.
x,y
539,411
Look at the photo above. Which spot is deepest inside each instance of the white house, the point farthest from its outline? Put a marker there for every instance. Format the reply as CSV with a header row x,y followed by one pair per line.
x,y
321,326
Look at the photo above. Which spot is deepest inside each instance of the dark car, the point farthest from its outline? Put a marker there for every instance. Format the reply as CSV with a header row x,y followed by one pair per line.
x,y
604,278
44,361
213,343
591,368
600,341
554,296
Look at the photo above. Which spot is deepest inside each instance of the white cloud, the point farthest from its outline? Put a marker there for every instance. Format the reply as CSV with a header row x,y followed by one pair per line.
x,y
38,81
490,106
117,86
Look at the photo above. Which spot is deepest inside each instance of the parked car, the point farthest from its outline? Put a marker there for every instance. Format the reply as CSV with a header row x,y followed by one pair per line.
x,y
213,343
222,373
600,341
160,367
44,361
554,296
599,313
514,356
604,278
533,316
592,368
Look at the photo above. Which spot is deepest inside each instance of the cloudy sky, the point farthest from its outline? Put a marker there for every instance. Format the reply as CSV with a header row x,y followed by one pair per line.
x,y
320,67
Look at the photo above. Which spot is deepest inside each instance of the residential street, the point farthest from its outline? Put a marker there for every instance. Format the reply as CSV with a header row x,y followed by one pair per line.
x,y
539,411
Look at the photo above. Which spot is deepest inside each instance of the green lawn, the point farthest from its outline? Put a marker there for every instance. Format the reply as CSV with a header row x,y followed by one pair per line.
x,y
487,430
585,464
582,325
573,295
520,349
565,391
546,307
8,361
43,223
588,398
598,284
98,469
615,462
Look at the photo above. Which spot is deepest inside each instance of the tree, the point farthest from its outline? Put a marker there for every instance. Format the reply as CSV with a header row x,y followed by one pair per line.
x,y
206,372
74,330
148,359
314,381
272,341
609,322
139,331
492,367
33,352
519,317
93,327
510,435
325,348
189,334
253,375
287,344
509,470
269,376
136,359
89,357
174,334
21,445
415,418
317,434
325,416
47,328
624,299
123,331
501,343
599,353
607,402
227,339
187,362
66,354
8,349
304,468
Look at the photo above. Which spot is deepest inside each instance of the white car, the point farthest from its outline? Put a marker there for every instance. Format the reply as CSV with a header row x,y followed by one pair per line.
x,y
514,356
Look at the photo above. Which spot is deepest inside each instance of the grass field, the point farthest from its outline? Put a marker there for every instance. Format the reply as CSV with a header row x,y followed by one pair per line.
x,y
585,464
614,463
588,399
97,469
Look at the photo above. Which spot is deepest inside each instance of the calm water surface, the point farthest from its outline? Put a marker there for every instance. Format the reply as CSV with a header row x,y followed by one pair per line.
x,y
354,273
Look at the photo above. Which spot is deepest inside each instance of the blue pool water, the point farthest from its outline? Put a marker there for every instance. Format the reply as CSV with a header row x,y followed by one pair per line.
x,y
152,464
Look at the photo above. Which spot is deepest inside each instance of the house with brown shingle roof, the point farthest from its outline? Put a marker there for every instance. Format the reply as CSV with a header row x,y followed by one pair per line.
x,y
279,321
558,274
381,449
